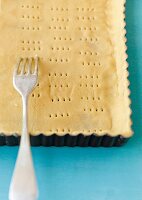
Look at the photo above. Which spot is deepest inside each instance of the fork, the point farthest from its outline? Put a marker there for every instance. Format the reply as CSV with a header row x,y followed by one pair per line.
x,y
23,184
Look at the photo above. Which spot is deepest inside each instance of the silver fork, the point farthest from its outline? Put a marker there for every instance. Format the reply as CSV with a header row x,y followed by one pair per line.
x,y
23,184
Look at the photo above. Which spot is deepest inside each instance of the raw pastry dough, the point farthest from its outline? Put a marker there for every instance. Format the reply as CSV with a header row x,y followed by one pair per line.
x,y
83,86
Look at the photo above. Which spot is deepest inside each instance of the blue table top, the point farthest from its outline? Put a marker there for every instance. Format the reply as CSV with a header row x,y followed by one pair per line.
x,y
93,173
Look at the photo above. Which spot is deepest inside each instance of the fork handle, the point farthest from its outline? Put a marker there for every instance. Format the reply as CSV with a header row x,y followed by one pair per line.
x,y
23,185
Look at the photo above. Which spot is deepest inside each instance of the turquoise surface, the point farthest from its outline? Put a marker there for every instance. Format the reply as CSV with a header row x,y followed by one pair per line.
x,y
93,173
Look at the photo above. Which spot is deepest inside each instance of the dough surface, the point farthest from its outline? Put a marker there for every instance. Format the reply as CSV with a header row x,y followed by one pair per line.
x,y
83,86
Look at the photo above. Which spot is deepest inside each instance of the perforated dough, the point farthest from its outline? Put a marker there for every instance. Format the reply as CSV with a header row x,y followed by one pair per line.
x,y
83,86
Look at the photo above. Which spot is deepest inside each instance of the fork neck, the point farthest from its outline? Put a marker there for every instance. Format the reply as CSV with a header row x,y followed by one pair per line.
x,y
25,136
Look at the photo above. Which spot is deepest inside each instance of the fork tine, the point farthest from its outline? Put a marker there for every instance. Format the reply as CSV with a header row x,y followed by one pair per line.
x,y
36,59
29,65
23,66
17,66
